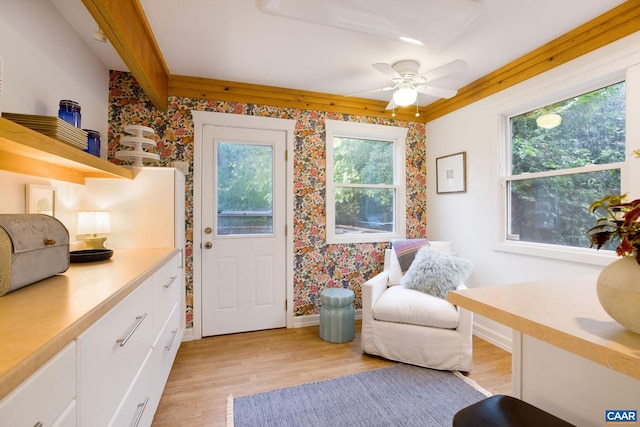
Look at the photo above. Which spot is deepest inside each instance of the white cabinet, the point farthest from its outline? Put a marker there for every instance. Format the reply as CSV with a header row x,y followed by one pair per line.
x,y
115,370
126,356
47,398
148,212
111,353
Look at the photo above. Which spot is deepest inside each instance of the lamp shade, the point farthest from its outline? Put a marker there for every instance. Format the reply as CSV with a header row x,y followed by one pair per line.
x,y
405,96
93,223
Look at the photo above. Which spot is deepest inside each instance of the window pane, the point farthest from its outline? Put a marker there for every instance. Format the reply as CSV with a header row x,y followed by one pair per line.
x,y
555,210
364,210
245,189
361,161
592,131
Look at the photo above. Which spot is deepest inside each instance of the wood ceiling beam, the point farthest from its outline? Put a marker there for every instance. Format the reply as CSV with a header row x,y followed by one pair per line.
x,y
126,26
613,25
197,87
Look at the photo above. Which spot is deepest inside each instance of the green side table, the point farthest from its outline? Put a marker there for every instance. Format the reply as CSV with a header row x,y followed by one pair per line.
x,y
337,316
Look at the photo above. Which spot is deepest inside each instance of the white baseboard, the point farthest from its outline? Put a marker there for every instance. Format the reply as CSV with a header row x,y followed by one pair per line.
x,y
495,338
188,335
314,319
298,322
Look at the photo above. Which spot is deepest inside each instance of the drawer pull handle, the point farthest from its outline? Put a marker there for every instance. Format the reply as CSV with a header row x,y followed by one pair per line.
x,y
173,338
139,319
171,280
38,424
49,242
139,411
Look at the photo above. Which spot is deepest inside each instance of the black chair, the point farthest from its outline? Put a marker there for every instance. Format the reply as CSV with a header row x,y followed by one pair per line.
x,y
505,411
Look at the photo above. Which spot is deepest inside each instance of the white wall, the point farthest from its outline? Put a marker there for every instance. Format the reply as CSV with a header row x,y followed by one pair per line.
x,y
471,220
46,61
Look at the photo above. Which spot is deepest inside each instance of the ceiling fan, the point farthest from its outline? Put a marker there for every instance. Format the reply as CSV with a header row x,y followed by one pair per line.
x,y
408,83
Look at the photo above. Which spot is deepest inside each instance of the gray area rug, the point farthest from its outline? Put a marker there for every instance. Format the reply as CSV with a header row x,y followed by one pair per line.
x,y
398,395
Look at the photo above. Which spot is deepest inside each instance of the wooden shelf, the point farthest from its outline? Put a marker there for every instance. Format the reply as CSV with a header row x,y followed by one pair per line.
x,y
25,151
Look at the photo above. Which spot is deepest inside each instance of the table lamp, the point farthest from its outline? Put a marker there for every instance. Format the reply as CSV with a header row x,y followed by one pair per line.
x,y
90,224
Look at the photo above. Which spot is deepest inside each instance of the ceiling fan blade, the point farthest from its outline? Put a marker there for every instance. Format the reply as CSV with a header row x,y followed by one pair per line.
x,y
440,92
452,67
382,89
391,105
387,70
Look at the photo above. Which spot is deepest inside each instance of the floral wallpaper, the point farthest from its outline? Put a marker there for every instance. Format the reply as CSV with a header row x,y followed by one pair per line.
x,y
317,264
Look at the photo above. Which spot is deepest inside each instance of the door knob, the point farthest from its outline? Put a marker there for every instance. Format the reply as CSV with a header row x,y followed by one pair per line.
x,y
208,245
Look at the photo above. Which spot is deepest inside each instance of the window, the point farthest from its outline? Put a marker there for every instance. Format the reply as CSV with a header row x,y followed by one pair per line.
x,y
561,158
244,179
365,182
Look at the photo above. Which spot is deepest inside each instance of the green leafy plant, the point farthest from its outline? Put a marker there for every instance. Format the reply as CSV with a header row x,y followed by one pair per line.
x,y
621,224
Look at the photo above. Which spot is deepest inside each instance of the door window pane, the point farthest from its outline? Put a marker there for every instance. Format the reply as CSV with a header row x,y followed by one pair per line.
x,y
244,189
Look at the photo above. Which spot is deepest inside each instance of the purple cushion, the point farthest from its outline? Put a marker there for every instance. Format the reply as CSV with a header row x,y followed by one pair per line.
x,y
406,250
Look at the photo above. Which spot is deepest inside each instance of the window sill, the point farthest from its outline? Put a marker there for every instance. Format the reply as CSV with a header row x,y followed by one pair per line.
x,y
362,238
580,255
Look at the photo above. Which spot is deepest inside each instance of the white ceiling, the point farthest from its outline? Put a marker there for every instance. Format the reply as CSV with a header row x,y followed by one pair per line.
x,y
233,40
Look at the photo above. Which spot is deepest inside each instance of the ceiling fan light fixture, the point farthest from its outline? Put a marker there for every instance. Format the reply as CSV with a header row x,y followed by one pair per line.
x,y
405,96
549,120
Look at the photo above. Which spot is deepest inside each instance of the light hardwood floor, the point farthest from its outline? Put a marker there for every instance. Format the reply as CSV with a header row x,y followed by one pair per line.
x,y
206,371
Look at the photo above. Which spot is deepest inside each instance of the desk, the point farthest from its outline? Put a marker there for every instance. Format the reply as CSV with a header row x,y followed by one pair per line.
x,y
569,357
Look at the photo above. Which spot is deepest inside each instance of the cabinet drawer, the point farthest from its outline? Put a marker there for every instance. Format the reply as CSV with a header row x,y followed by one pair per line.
x,y
111,353
139,403
168,283
69,417
168,344
45,395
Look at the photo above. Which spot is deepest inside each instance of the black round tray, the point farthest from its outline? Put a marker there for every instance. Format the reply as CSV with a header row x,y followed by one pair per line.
x,y
90,255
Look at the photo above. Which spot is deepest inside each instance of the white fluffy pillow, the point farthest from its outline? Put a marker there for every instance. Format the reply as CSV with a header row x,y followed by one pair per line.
x,y
436,273
395,271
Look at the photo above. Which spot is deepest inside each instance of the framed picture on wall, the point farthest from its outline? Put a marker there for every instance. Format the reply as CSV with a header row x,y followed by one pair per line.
x,y
41,199
451,173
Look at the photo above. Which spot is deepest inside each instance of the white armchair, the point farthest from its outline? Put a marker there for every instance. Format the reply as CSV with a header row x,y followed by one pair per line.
x,y
412,327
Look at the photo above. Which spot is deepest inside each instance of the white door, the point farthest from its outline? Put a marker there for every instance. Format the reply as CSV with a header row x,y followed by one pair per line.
x,y
243,230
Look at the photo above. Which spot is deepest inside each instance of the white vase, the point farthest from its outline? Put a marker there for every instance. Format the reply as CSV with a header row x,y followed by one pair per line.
x,y
619,292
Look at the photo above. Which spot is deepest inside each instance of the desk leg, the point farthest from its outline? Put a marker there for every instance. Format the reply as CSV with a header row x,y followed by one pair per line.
x,y
516,365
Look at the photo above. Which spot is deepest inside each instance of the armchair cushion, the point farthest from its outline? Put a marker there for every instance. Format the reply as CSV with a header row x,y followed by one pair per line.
x,y
435,272
400,305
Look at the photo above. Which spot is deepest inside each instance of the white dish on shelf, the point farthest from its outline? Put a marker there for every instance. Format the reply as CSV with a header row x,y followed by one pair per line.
x,y
138,130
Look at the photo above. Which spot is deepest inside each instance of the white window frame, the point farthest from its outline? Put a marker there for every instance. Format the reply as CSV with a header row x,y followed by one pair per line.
x,y
566,88
396,135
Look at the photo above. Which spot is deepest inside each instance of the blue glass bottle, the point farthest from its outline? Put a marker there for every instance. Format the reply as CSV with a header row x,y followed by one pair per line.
x,y
69,111
93,142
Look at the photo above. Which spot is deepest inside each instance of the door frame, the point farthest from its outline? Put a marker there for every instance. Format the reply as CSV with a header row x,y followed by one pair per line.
x,y
201,119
